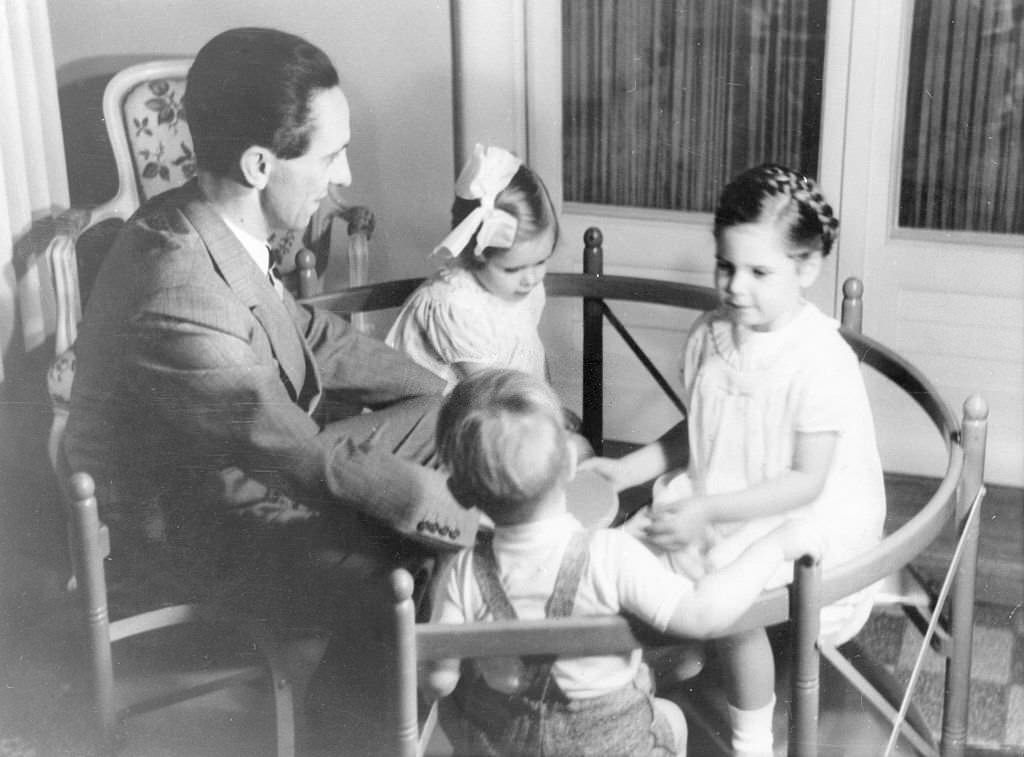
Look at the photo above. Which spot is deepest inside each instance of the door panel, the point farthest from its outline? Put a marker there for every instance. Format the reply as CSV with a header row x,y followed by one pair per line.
x,y
953,302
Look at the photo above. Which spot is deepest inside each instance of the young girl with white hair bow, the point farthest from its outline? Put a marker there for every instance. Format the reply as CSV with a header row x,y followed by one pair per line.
x,y
481,309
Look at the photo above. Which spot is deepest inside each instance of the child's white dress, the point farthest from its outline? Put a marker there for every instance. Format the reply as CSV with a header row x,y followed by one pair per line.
x,y
452,319
747,401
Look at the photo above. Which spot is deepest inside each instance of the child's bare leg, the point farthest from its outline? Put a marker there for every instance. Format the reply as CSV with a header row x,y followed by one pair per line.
x,y
750,690
673,665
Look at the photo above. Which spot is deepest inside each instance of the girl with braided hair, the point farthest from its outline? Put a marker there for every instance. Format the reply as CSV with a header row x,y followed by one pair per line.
x,y
778,426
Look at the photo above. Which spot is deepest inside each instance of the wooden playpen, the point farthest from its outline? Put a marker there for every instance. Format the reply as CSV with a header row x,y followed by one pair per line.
x,y
956,498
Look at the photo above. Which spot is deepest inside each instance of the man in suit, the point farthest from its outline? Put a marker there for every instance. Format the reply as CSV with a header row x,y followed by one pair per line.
x,y
205,396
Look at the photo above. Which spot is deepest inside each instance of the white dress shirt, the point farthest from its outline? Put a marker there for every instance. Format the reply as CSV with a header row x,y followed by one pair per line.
x,y
259,251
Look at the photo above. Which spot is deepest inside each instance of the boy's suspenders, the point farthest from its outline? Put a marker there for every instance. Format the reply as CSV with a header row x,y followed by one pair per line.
x,y
559,605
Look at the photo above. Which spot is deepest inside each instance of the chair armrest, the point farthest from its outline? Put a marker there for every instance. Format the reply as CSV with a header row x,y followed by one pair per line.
x,y
337,240
345,232
63,263
361,220
351,243
73,221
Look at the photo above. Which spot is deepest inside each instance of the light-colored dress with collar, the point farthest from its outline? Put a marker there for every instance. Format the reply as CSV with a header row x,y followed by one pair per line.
x,y
451,318
748,394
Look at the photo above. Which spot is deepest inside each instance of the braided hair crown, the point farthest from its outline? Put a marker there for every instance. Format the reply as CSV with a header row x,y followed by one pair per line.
x,y
771,192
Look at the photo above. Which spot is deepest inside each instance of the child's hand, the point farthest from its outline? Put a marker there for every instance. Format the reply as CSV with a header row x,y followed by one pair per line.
x,y
607,468
637,524
798,537
674,525
438,679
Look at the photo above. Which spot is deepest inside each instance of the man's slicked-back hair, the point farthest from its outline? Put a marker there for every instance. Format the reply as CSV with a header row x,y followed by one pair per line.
x,y
253,86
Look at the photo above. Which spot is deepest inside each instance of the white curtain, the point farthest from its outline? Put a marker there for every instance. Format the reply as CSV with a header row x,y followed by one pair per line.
x,y
34,184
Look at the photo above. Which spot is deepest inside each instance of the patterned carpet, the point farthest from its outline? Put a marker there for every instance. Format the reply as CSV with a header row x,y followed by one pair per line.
x,y
996,720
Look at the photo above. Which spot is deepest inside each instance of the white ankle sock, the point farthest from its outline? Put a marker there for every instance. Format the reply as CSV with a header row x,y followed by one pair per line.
x,y
752,730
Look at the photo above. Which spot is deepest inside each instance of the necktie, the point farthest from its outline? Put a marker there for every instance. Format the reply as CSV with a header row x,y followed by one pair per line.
x,y
274,277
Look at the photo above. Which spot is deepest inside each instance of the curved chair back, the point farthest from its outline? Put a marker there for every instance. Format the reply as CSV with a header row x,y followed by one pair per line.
x,y
142,108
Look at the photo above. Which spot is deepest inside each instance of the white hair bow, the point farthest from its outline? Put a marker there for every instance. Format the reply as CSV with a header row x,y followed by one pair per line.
x,y
488,171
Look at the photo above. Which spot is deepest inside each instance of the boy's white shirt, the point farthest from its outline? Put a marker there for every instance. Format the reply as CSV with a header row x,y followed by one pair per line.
x,y
622,575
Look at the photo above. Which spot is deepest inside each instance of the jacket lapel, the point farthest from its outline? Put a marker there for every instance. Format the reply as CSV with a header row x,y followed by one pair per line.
x,y
247,281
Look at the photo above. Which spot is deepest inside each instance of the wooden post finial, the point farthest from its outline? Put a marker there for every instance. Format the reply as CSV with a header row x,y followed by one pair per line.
x,y
852,313
305,265
975,408
82,486
593,254
402,584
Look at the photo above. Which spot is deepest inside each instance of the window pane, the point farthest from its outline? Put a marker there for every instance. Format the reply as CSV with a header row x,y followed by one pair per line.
x,y
665,100
962,160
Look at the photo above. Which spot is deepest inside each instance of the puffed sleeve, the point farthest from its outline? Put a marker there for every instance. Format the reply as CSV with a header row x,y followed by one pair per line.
x,y
460,328
827,383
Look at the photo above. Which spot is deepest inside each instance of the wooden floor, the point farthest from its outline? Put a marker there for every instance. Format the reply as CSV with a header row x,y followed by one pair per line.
x,y
1001,549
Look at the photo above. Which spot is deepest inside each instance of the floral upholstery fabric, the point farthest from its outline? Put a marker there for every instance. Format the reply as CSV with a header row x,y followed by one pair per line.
x,y
59,378
158,136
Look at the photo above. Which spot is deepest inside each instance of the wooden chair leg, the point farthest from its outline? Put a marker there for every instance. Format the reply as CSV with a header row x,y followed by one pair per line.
x,y
273,652
805,604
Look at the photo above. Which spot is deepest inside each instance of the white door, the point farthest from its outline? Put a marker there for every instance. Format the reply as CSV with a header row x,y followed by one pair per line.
x,y
950,299
676,244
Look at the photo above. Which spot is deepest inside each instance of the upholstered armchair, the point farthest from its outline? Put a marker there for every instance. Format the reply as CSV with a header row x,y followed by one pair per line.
x,y
149,135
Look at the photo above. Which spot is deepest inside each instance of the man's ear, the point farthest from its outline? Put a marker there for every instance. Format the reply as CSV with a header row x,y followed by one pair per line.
x,y
255,165
808,268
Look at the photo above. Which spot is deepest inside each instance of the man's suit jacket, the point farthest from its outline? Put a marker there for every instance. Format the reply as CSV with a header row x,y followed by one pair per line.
x,y
198,385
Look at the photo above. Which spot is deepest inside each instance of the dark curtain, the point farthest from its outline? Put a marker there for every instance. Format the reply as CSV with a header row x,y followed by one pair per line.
x,y
963,165
666,100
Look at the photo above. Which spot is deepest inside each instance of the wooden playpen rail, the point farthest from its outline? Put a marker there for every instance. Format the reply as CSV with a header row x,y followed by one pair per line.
x,y
811,589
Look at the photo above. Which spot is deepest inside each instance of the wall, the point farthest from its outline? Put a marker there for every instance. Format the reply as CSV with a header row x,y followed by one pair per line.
x,y
394,58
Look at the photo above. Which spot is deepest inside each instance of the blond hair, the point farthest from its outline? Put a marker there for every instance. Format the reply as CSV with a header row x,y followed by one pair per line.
x,y
501,435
